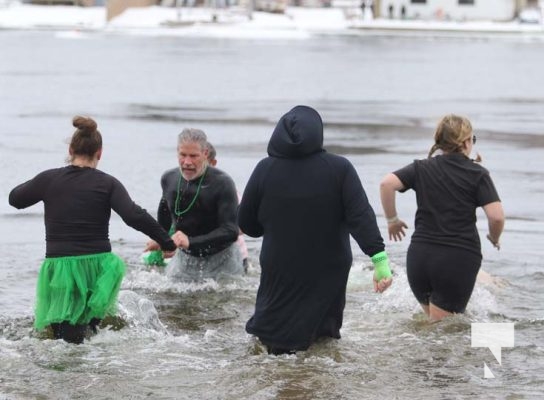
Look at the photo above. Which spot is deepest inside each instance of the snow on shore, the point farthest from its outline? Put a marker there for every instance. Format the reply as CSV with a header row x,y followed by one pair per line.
x,y
236,22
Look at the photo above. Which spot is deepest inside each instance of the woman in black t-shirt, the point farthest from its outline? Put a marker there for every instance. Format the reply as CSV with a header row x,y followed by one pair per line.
x,y
80,278
444,255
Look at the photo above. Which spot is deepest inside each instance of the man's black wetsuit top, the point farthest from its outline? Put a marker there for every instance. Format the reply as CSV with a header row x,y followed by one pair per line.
x,y
77,206
210,222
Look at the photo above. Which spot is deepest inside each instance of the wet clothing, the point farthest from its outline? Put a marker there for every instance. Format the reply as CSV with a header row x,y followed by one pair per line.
x,y
225,264
305,203
77,289
445,252
74,333
444,287
204,209
448,189
80,278
77,209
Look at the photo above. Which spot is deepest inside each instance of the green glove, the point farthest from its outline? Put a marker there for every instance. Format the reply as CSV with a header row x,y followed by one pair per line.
x,y
154,258
381,266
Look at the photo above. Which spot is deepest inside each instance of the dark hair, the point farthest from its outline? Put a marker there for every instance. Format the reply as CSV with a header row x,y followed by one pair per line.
x,y
211,152
86,140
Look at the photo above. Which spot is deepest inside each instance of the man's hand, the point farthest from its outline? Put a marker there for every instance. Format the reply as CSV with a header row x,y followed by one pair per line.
x,y
181,239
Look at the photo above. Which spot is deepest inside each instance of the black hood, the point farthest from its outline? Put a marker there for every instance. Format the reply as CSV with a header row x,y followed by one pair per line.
x,y
298,133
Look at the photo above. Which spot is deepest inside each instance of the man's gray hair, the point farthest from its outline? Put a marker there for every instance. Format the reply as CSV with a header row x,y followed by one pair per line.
x,y
195,136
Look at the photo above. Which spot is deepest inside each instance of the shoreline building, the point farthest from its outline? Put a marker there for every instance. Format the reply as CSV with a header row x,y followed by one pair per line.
x,y
454,10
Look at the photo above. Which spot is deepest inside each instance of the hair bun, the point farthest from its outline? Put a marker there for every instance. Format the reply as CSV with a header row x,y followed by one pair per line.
x,y
84,123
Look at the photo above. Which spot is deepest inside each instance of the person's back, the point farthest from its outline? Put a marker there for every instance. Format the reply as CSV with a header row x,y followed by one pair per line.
x,y
303,208
71,229
80,278
305,203
448,189
444,255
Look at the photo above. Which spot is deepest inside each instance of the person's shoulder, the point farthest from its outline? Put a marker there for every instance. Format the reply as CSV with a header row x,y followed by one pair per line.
x,y
218,174
336,160
104,175
48,174
469,164
264,162
479,168
100,172
423,162
52,171
172,172
216,171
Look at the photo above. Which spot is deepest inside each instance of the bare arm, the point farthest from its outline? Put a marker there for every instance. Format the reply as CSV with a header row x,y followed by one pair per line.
x,y
388,187
495,220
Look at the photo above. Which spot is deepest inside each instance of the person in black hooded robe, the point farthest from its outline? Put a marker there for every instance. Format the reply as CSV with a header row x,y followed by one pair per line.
x,y
305,203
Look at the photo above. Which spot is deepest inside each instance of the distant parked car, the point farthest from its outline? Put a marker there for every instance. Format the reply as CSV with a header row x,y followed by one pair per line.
x,y
530,16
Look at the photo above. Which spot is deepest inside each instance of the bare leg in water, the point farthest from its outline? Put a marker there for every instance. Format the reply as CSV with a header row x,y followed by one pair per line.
x,y
435,313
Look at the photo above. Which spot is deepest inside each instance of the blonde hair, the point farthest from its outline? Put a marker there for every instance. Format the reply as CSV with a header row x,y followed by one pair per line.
x,y
450,134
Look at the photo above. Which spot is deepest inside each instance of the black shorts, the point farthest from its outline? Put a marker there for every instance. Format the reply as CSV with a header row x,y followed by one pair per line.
x,y
442,275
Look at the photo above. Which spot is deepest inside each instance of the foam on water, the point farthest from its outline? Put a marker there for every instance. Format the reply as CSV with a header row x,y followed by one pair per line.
x,y
400,299
139,311
155,279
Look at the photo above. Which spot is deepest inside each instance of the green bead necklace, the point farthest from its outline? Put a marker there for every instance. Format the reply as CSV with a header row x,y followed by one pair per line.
x,y
176,208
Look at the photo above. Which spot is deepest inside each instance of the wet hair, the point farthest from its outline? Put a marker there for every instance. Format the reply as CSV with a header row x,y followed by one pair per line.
x,y
195,136
450,134
86,140
211,152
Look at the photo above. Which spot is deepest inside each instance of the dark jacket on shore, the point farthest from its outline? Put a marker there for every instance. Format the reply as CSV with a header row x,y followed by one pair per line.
x,y
305,203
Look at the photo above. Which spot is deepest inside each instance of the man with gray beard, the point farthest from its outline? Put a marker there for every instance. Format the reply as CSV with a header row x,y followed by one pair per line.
x,y
199,203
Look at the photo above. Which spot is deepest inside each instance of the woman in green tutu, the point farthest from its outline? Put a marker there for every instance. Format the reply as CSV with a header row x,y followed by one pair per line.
x,y
80,278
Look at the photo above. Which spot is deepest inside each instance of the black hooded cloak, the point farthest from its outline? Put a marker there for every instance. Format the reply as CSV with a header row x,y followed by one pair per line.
x,y
305,203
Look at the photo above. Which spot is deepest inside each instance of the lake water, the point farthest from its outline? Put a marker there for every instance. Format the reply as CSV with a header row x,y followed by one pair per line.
x,y
380,98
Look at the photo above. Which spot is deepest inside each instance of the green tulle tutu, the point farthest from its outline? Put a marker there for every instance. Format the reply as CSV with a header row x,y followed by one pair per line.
x,y
78,288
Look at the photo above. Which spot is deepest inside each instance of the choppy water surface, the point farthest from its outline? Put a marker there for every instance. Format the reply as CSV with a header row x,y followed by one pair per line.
x,y
380,98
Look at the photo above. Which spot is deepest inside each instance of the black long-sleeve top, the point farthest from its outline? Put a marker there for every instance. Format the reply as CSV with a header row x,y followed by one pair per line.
x,y
305,203
77,209
210,222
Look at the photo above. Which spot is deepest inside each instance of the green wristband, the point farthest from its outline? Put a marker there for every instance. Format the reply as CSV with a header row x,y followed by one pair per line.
x,y
154,258
381,266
